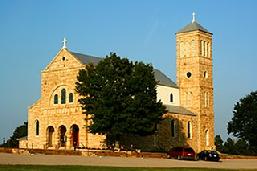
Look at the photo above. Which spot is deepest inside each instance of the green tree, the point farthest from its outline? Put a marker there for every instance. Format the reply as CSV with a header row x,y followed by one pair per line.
x,y
121,95
229,146
242,147
244,121
19,132
219,143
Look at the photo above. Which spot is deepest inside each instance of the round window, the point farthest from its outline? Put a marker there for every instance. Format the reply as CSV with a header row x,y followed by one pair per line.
x,y
189,74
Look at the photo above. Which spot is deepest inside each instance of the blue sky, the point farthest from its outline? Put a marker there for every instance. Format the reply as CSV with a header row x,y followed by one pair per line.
x,y
31,33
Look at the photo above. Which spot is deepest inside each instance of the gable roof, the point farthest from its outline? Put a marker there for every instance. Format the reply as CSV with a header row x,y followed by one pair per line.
x,y
160,77
193,27
86,59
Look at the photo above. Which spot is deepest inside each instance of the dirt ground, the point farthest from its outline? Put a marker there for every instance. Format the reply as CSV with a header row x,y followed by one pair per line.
x,y
41,159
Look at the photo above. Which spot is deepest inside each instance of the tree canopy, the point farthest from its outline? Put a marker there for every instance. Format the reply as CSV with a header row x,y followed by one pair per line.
x,y
121,95
244,121
19,132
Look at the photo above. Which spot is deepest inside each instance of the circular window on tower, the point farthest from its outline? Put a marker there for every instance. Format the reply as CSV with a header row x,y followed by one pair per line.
x,y
189,74
205,74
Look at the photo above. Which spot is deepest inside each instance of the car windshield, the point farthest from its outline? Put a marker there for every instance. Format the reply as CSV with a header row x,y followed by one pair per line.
x,y
189,149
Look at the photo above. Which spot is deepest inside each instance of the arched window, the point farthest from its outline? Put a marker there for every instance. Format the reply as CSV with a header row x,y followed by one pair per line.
x,y
189,130
70,97
172,128
209,49
205,48
56,99
205,74
63,96
202,48
171,97
37,127
206,99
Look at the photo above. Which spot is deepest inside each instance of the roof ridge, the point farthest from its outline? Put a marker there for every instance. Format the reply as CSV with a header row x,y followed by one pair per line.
x,y
192,27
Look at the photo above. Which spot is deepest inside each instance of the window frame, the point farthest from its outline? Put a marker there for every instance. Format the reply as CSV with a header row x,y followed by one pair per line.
x,y
71,97
63,96
189,130
56,99
37,128
171,98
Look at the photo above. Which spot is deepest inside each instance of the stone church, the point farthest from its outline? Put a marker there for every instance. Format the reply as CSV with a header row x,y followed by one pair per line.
x,y
55,120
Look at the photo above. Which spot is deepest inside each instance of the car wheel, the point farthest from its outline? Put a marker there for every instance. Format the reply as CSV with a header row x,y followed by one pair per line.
x,y
168,156
179,157
205,158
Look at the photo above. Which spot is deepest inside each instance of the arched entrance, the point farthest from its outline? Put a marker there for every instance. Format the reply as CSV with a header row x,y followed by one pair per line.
x,y
50,132
75,135
62,135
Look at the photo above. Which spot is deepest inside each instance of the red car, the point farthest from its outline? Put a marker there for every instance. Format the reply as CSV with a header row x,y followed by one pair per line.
x,y
182,153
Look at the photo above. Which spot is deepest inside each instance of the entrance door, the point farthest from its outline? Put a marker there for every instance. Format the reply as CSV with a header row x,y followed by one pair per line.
x,y
75,135
62,138
50,132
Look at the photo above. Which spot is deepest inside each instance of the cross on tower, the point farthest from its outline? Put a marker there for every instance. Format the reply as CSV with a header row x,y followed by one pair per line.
x,y
193,14
64,43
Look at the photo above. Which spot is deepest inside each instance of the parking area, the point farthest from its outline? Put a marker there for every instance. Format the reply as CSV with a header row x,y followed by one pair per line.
x,y
41,159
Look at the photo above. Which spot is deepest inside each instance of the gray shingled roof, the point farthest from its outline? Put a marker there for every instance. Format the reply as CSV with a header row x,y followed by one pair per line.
x,y
178,110
86,59
193,27
160,77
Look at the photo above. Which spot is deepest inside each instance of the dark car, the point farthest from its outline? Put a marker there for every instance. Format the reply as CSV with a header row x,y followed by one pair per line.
x,y
182,153
209,155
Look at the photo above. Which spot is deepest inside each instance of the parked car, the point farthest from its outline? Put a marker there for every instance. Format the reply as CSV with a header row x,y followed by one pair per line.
x,y
208,155
182,153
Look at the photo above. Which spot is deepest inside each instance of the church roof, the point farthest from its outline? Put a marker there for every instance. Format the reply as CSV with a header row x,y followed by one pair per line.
x,y
86,59
193,27
160,77
178,110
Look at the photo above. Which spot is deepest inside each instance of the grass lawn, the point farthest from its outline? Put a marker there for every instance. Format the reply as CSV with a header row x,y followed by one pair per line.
x,y
89,168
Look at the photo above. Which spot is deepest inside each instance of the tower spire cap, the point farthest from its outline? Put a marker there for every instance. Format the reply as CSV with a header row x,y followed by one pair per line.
x,y
64,46
193,19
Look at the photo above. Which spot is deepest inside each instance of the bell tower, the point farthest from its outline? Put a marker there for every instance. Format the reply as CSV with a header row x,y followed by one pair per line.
x,y
195,81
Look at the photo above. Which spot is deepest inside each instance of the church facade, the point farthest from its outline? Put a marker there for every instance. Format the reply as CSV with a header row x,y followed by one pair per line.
x,y
56,120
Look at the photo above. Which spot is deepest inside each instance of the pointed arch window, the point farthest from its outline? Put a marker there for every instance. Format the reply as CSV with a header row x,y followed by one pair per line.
x,y
56,99
171,97
70,97
37,127
63,96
